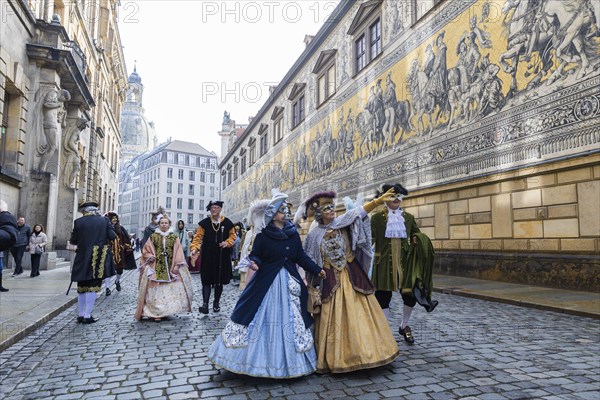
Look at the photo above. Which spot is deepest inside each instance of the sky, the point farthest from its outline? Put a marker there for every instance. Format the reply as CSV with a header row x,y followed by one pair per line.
x,y
198,59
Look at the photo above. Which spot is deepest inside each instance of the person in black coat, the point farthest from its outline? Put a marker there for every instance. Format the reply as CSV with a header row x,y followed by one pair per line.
x,y
8,233
22,244
93,262
213,241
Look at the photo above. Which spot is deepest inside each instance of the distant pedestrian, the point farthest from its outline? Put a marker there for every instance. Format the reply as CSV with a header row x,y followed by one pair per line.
x,y
137,244
22,244
184,238
8,227
37,247
213,241
153,225
8,235
93,262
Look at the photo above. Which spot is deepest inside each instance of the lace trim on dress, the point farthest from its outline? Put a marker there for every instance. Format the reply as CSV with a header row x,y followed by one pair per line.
x,y
235,335
395,227
303,339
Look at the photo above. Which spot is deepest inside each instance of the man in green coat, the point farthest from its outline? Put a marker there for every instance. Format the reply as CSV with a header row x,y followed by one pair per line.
x,y
403,259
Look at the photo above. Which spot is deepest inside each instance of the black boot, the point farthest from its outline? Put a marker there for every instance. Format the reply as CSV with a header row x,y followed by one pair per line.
x,y
2,289
218,292
205,299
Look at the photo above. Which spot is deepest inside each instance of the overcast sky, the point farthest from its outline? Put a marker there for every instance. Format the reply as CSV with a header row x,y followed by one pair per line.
x,y
200,58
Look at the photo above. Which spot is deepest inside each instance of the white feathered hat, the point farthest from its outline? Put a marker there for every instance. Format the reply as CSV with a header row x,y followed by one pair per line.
x,y
256,214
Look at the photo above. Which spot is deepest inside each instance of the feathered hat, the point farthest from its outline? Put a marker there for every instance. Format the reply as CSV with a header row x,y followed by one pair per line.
x,y
276,201
313,203
256,214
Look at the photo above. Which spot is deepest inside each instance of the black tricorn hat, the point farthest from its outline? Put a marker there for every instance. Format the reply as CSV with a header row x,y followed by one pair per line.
x,y
214,203
89,203
398,189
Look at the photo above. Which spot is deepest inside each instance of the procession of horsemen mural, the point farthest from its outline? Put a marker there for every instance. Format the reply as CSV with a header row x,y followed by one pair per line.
x,y
491,57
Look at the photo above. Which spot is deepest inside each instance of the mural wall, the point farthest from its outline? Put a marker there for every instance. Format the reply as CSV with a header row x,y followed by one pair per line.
x,y
476,88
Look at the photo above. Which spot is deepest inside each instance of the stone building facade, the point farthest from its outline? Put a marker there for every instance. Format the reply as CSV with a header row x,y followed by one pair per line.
x,y
62,87
181,177
488,112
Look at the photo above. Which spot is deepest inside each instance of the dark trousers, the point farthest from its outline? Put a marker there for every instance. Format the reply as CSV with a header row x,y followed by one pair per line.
x,y
206,293
35,264
384,297
17,253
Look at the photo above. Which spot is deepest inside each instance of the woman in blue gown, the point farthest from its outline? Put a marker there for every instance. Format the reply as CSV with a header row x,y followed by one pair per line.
x,y
269,332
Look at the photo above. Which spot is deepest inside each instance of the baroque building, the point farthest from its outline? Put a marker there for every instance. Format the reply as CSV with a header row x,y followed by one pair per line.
x,y
181,177
488,112
62,87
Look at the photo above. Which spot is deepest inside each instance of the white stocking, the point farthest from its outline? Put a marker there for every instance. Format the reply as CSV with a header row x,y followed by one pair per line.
x,y
118,278
406,311
107,282
80,304
90,298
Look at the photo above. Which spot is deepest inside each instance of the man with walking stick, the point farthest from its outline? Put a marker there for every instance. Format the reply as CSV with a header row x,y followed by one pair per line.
x,y
93,258
212,242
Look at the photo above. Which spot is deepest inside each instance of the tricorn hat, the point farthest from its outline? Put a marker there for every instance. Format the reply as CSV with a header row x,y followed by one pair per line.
x,y
89,203
398,189
214,203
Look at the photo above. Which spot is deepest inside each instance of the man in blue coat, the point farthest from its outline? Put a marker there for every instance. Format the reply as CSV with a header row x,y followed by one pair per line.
x,y
93,262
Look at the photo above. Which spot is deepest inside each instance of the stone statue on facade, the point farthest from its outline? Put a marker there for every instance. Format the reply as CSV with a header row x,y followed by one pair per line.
x,y
71,148
226,118
53,120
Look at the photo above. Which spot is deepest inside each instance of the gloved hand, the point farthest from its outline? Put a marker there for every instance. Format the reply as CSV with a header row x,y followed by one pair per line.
x,y
387,196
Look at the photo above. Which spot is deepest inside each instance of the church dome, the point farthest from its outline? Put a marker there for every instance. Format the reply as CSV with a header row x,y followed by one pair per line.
x,y
137,132
134,77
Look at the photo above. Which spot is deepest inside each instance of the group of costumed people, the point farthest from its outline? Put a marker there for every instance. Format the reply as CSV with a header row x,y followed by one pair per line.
x,y
270,330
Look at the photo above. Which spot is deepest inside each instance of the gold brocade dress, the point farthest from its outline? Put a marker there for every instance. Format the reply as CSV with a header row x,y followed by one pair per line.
x,y
351,332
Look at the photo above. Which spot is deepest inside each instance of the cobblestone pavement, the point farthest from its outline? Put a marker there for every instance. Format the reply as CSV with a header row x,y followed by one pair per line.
x,y
467,348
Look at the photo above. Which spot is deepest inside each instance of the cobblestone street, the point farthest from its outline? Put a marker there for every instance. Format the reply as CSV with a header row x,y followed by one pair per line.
x,y
467,348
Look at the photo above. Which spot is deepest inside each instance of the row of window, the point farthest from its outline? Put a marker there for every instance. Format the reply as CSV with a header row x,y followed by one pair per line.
x,y
191,161
154,175
366,31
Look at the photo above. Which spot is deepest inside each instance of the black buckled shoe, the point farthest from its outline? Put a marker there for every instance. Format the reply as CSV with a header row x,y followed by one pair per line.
x,y
216,307
108,292
90,320
406,333
118,286
204,308
79,320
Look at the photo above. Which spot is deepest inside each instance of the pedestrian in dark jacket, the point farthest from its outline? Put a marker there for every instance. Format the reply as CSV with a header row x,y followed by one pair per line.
x,y
8,228
8,235
93,262
22,244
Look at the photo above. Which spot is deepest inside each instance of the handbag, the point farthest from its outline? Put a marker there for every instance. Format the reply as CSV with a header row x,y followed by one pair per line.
x,y
38,250
314,297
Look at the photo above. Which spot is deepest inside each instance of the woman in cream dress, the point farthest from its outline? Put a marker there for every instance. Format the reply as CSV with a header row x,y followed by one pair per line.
x,y
165,286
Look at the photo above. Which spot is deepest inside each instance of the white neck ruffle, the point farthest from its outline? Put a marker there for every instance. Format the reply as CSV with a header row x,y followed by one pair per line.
x,y
395,227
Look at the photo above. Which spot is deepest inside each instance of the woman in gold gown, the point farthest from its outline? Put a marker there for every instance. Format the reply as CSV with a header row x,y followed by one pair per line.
x,y
351,331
